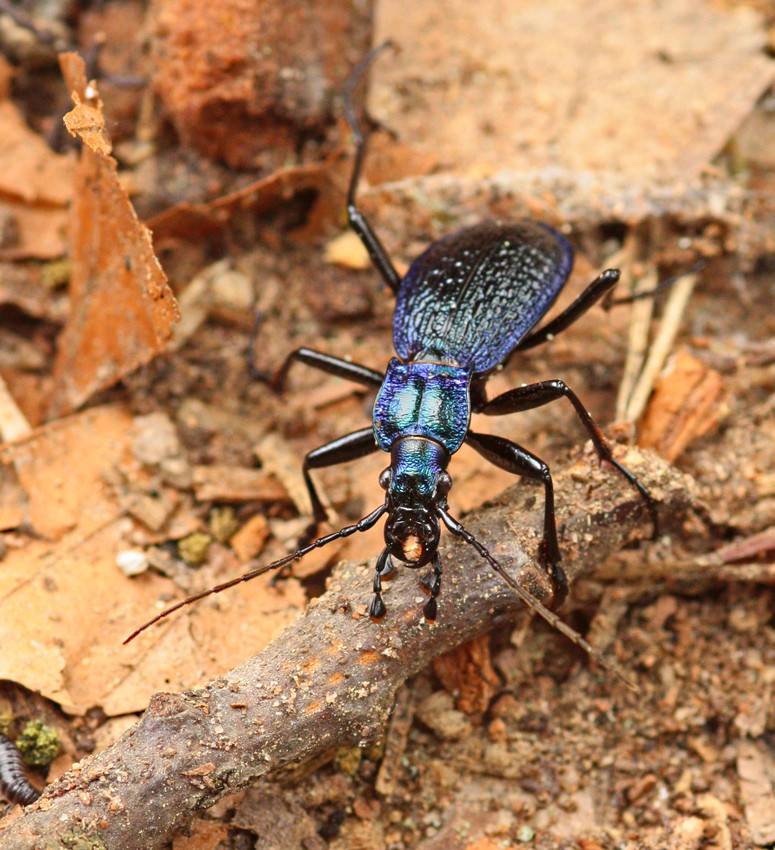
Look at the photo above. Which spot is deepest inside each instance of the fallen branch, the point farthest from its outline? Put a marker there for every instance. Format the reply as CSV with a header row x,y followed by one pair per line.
x,y
330,679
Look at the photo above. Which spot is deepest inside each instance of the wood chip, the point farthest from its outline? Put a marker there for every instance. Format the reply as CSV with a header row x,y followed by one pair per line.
x,y
683,407
395,742
660,348
348,251
237,484
467,673
756,771
637,341
249,541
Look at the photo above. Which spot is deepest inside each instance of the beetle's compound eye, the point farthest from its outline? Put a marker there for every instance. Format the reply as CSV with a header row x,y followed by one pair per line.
x,y
443,483
384,478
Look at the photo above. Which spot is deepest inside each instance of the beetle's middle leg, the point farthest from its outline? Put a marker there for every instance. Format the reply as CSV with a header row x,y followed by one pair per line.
x,y
341,450
596,290
330,364
350,447
536,395
515,459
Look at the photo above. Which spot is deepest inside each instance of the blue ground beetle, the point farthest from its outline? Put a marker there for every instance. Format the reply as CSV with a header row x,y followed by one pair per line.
x,y
464,307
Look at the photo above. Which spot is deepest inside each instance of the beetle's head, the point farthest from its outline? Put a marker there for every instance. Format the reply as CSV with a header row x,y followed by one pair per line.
x,y
412,536
416,483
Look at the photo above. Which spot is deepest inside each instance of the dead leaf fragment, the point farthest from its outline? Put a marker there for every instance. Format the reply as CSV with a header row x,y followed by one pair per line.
x,y
60,466
86,120
36,185
195,221
122,307
29,170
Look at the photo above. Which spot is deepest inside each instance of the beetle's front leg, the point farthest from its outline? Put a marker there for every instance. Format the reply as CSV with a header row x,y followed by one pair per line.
x,y
514,458
383,570
431,582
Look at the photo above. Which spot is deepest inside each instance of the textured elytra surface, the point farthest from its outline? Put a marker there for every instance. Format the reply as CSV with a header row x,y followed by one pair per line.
x,y
475,293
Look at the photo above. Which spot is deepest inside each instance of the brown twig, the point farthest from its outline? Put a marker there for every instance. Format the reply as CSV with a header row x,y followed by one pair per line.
x,y
637,342
661,346
330,679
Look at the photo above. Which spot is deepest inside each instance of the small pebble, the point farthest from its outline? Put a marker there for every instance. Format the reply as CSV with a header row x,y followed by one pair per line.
x,y
131,562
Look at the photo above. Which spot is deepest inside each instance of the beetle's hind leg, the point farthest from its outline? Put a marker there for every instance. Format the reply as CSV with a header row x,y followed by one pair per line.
x,y
376,250
520,461
543,392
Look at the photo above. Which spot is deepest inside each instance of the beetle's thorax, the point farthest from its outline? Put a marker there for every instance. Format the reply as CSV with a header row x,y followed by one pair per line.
x,y
423,398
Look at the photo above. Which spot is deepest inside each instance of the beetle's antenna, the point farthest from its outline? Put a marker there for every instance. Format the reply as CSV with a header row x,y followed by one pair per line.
x,y
457,529
609,302
362,525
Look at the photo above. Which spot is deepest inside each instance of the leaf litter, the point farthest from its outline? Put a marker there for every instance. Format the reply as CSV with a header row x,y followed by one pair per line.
x,y
62,513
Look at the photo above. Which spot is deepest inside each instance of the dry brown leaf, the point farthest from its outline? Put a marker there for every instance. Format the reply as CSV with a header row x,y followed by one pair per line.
x,y
122,308
60,467
25,286
187,220
37,233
